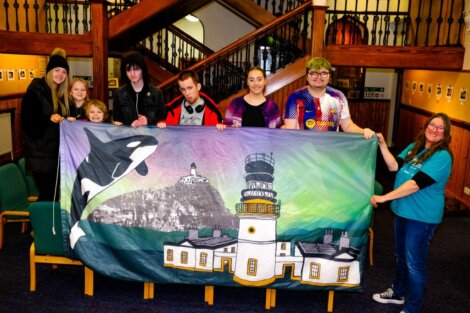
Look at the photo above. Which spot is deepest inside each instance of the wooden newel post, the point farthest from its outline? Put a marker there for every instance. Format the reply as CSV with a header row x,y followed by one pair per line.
x,y
99,34
318,27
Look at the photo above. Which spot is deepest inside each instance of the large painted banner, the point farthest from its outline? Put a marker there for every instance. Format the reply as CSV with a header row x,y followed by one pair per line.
x,y
240,207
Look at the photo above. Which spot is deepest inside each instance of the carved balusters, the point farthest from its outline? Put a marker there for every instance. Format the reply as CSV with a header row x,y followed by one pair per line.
x,y
16,6
36,14
26,8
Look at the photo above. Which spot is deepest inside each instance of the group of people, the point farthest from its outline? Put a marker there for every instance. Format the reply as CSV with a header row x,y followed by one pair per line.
x,y
423,167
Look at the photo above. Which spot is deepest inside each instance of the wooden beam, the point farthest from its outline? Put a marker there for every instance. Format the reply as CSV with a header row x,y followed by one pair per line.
x,y
99,34
134,16
318,30
251,10
43,44
433,58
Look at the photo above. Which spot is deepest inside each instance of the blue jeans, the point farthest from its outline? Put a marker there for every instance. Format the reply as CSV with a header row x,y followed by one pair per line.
x,y
412,240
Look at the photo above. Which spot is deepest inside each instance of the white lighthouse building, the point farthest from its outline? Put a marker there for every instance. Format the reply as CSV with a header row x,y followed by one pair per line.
x,y
257,214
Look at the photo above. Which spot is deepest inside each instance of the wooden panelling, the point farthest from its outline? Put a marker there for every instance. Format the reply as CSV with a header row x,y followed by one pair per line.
x,y
7,103
410,124
371,114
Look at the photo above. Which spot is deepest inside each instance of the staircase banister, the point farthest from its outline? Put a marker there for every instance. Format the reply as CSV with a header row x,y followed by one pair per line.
x,y
194,43
240,41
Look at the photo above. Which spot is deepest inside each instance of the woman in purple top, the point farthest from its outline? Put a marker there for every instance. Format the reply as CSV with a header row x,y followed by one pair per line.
x,y
253,109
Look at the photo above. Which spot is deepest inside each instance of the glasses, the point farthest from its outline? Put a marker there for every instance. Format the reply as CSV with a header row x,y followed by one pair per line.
x,y
439,129
317,74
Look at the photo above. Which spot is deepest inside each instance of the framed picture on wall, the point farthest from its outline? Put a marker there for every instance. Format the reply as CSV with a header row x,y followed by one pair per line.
x,y
1,75
463,95
429,90
421,87
21,73
449,92
438,90
31,74
414,86
11,74
407,85
113,83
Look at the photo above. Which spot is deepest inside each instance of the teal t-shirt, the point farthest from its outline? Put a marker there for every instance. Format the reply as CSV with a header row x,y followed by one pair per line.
x,y
427,204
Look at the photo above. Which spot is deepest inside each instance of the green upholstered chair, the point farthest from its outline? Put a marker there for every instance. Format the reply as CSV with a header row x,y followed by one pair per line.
x,y
13,198
48,246
33,192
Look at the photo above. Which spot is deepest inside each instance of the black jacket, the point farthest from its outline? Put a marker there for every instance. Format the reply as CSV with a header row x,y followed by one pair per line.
x,y
41,137
150,103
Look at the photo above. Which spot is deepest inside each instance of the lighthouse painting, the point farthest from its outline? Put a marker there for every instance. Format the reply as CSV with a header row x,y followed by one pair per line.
x,y
257,214
256,257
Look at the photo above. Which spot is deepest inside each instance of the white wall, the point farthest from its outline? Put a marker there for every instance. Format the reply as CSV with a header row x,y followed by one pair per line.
x,y
221,27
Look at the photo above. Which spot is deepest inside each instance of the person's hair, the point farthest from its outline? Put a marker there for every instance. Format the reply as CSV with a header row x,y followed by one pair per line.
x,y
81,80
421,140
255,68
131,59
318,63
99,104
189,74
59,92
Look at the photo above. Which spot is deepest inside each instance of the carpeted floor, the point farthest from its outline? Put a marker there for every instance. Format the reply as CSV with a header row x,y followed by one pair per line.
x,y
61,290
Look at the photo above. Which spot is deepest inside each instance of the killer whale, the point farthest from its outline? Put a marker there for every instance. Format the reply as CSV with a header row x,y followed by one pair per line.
x,y
106,163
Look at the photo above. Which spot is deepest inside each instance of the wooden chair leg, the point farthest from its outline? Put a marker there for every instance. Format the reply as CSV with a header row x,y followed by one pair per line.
x,y
371,246
270,298
24,227
32,269
209,295
149,290
89,281
331,297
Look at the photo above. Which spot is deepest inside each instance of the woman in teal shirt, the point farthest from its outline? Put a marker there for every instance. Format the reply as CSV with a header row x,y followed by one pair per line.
x,y
418,203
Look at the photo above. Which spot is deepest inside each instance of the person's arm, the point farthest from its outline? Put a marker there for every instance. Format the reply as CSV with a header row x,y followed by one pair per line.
x,y
290,123
348,126
389,159
33,121
407,188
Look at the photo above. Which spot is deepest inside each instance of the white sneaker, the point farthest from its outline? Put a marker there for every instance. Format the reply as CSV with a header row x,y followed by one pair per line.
x,y
387,297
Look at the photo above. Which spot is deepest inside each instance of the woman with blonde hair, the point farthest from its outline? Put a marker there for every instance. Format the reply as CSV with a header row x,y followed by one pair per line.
x,y
44,107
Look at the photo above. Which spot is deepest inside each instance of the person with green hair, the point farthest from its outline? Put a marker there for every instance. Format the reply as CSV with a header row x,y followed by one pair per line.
x,y
319,107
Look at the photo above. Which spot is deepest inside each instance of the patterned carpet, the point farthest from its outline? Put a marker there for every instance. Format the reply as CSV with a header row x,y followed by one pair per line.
x,y
61,290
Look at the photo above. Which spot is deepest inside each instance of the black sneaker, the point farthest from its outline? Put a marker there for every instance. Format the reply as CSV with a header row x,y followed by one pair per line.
x,y
388,297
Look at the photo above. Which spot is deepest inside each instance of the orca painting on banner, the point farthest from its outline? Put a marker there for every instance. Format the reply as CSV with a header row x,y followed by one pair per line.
x,y
248,206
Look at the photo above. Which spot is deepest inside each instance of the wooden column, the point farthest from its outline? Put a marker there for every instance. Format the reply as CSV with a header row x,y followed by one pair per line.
x,y
99,34
318,28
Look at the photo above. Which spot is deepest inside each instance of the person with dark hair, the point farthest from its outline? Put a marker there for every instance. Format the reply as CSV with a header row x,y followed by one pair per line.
x,y
253,109
137,103
319,107
192,107
423,170
44,107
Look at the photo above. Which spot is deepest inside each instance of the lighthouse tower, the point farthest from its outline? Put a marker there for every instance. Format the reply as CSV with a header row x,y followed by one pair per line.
x,y
257,214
